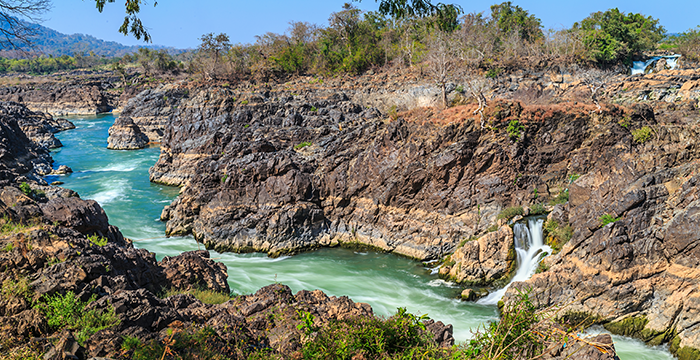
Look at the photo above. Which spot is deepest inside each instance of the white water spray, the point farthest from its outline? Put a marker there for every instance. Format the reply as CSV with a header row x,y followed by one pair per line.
x,y
530,249
640,67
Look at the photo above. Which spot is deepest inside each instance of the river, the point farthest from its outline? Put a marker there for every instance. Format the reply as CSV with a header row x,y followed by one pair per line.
x,y
118,180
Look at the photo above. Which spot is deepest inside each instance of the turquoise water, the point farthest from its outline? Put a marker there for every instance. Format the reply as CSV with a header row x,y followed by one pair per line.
x,y
118,180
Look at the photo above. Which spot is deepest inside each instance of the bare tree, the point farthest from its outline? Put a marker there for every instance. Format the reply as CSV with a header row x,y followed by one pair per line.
x,y
595,80
441,58
18,18
476,87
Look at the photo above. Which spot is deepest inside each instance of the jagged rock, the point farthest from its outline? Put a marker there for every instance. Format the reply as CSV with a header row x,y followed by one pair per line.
x,y
148,113
193,269
85,216
66,348
485,260
58,98
125,135
468,295
62,170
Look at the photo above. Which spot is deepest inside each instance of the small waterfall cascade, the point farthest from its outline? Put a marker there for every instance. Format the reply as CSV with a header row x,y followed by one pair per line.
x,y
530,249
640,67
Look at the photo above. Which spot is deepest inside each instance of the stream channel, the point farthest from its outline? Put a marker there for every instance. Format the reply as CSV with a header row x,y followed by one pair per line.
x,y
118,180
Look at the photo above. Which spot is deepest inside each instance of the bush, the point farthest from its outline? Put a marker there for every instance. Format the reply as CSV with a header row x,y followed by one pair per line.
x,y
557,236
26,189
642,134
369,337
606,219
562,198
98,240
302,145
514,129
511,212
538,209
16,288
68,311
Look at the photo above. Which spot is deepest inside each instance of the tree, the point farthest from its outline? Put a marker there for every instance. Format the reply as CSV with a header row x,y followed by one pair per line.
x,y
509,19
613,36
442,60
16,33
210,53
132,24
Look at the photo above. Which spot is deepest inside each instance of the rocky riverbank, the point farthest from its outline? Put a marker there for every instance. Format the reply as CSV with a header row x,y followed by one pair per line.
x,y
74,287
282,171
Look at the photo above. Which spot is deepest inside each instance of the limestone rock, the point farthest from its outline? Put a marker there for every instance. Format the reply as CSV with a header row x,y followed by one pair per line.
x,y
125,135
485,260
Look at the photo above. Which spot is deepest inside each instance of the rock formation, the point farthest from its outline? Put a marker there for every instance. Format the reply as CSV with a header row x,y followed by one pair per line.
x,y
148,112
125,135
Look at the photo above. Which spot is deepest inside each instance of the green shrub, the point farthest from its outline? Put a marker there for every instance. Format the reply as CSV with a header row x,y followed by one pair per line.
x,y
561,198
10,226
244,102
513,337
511,212
314,109
493,73
68,312
223,178
26,189
642,134
302,145
557,236
16,288
98,240
206,296
369,337
514,129
459,89
538,209
606,219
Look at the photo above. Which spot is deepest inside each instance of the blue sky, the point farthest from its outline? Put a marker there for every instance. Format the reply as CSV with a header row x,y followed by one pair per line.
x,y
180,23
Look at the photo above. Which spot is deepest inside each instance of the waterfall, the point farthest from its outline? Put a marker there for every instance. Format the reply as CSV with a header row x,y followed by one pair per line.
x,y
530,249
640,67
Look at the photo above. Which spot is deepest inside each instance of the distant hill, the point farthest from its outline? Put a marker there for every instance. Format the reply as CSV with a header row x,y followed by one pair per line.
x,y
51,42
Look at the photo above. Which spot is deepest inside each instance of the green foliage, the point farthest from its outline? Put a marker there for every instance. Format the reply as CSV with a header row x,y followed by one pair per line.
x,y
98,240
307,322
16,288
244,102
314,109
302,145
573,177
9,247
606,219
561,198
69,312
613,36
510,18
459,89
26,189
557,236
538,209
541,267
511,212
688,44
625,122
204,295
514,129
188,344
9,227
642,134
493,73
369,337
223,178
513,336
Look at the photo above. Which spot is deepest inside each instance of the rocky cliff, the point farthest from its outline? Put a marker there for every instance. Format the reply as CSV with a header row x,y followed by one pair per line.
x,y
149,111
74,287
281,171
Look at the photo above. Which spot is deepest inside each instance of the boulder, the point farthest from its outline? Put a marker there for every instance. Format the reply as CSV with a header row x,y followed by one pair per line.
x,y
125,135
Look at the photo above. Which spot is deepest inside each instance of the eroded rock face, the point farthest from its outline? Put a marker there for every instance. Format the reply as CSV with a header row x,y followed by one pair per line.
x,y
148,112
639,274
279,175
488,259
20,158
59,98
125,135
